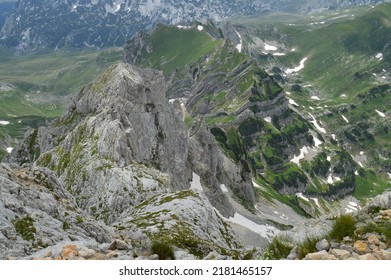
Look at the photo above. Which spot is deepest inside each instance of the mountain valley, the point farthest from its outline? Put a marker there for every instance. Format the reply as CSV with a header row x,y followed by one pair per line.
x,y
211,139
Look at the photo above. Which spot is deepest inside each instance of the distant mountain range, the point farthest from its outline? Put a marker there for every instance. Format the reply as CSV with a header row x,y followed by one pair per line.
x,y
101,23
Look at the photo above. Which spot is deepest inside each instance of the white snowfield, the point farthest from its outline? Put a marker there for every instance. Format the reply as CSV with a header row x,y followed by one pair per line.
x,y
352,207
379,56
9,150
270,47
317,141
297,68
183,27
265,231
240,45
200,27
300,195
291,101
303,152
4,122
345,119
381,114
317,126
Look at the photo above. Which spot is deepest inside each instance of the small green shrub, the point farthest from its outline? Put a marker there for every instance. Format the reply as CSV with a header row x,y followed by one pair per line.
x,y
278,249
308,246
345,225
79,219
65,225
163,250
25,227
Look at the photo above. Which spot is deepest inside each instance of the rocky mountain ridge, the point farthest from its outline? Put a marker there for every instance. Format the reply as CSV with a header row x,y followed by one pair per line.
x,y
249,114
103,23
122,155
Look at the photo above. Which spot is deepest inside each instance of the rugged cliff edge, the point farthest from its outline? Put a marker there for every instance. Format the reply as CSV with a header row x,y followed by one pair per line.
x,y
122,156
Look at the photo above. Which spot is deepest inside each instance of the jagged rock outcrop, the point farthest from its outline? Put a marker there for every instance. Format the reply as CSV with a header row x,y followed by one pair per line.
x,y
37,211
123,155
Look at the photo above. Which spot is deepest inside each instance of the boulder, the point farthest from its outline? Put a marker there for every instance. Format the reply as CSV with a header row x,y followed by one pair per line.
x,y
340,254
322,255
322,245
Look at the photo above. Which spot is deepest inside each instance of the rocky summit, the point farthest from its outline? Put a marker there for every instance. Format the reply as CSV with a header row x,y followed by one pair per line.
x,y
118,164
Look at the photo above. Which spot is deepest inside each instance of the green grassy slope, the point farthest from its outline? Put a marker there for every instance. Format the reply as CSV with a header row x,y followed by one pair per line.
x,y
36,87
344,75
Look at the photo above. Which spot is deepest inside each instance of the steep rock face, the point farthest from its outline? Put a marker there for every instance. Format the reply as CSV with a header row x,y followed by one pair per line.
x,y
122,148
248,113
120,119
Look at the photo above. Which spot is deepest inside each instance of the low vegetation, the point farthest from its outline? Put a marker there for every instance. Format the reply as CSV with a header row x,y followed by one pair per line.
x,y
344,225
163,250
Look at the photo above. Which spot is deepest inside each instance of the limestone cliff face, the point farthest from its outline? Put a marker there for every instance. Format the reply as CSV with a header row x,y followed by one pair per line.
x,y
121,146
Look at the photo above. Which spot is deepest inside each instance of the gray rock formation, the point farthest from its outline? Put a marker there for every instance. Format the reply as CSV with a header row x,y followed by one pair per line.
x,y
122,156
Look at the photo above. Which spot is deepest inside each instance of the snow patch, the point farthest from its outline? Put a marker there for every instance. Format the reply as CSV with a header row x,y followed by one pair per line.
x,y
352,207
356,173
300,195
288,93
200,28
317,126
297,68
256,185
293,102
361,152
279,54
389,175
328,158
266,231
330,179
317,141
316,201
379,56
345,119
381,114
268,119
183,27
196,183
270,47
359,163
333,136
239,46
223,188
315,98
303,152
4,122
9,149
